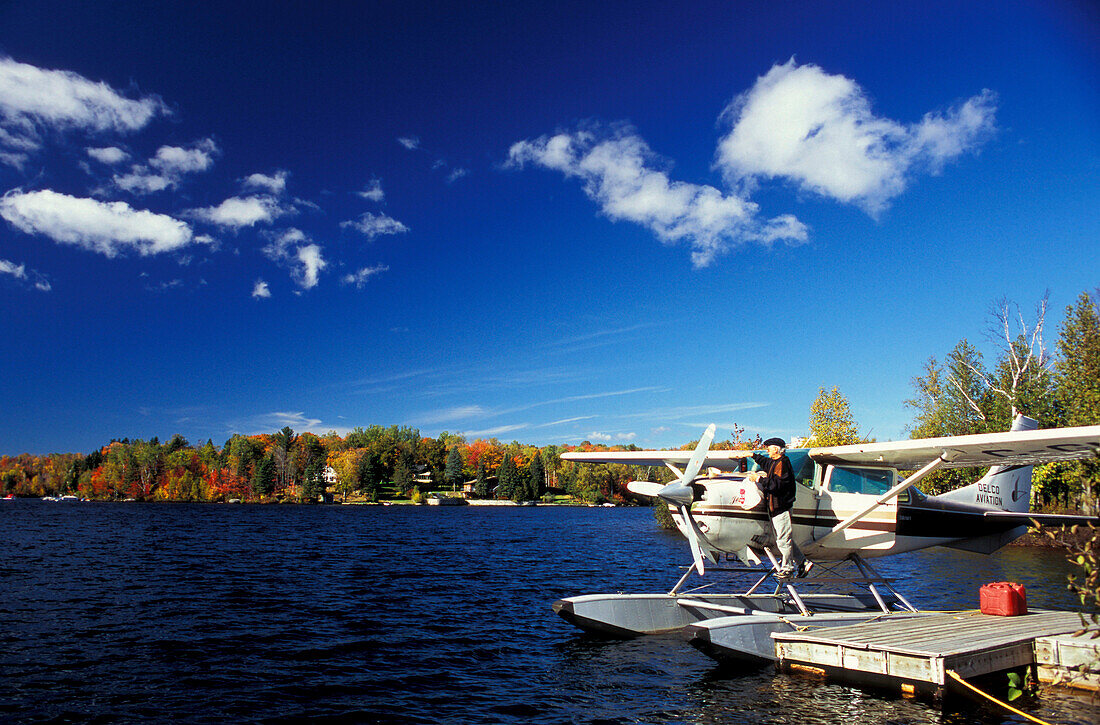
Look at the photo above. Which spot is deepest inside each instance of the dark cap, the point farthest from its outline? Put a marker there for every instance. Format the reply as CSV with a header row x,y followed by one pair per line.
x,y
775,442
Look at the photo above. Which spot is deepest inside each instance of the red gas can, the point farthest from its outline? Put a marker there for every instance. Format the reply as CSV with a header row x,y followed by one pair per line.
x,y
1005,599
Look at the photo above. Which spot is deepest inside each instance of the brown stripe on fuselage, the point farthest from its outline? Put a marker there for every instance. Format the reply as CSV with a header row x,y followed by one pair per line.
x,y
804,517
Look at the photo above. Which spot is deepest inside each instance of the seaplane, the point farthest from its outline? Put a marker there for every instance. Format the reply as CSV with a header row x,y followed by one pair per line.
x,y
852,505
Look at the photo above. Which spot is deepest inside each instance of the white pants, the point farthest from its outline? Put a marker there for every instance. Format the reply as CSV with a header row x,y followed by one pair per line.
x,y
792,556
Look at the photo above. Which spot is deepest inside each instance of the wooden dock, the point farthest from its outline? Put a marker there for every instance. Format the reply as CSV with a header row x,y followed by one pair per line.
x,y
916,654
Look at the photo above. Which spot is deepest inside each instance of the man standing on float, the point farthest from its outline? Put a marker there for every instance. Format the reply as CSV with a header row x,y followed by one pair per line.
x,y
777,485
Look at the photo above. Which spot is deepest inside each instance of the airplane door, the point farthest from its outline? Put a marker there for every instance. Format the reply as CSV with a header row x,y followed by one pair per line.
x,y
846,491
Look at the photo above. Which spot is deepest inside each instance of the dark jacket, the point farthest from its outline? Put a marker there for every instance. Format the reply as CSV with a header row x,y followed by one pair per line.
x,y
777,486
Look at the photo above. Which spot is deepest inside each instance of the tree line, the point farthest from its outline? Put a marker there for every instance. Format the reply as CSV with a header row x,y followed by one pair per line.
x,y
368,463
959,395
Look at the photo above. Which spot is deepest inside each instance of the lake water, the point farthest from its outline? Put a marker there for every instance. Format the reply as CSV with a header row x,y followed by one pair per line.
x,y
206,613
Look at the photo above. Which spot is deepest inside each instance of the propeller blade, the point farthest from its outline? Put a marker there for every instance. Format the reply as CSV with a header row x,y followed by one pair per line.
x,y
645,488
679,494
693,537
700,455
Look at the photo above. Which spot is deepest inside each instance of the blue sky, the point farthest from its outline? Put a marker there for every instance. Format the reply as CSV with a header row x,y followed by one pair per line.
x,y
546,222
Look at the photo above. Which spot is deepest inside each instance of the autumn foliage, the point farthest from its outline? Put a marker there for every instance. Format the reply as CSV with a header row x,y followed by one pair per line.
x,y
372,463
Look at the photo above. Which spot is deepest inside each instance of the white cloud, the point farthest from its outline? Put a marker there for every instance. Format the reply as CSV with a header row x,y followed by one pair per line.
x,y
270,422
311,264
373,225
19,272
33,99
167,168
360,278
276,184
456,174
373,191
818,130
176,160
449,415
140,181
493,432
294,249
109,155
63,99
237,212
410,142
617,171
17,142
608,437
13,159
109,228
260,290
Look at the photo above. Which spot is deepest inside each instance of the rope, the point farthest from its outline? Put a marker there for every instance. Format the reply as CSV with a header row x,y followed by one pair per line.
x,y
955,676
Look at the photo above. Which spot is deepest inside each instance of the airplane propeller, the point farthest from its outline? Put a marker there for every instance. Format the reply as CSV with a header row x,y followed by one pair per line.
x,y
679,494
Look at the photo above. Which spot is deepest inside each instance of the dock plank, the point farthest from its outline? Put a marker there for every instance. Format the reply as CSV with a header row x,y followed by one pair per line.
x,y
924,648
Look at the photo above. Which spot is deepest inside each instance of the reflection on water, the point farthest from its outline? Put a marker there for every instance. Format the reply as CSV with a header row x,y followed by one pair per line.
x,y
416,615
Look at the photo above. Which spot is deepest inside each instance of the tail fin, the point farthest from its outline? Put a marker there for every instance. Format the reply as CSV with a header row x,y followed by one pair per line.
x,y
1007,488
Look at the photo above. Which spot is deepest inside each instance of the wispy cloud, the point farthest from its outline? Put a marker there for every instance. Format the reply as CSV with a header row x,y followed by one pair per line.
x,y
564,421
462,412
359,278
609,437
374,225
272,422
493,432
260,290
467,412
294,249
373,191
109,228
109,155
19,273
410,142
622,174
33,100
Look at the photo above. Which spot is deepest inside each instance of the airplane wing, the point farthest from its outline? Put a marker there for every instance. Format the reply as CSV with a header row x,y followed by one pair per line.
x,y
1013,448
722,460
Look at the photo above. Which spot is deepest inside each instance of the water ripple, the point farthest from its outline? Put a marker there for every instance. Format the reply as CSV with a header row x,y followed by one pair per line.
x,y
197,614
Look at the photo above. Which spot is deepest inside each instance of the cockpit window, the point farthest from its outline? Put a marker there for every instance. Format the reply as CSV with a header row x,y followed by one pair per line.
x,y
873,481
803,467
801,464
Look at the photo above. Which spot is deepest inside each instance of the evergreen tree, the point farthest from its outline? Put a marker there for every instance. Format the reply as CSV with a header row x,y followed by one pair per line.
x,y
313,483
536,477
263,477
402,475
506,477
1077,376
1077,371
370,471
453,469
481,485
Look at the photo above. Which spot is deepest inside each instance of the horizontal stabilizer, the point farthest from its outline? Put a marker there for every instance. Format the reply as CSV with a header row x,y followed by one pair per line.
x,y
1043,519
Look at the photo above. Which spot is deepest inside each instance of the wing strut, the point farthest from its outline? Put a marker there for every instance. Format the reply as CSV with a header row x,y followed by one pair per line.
x,y
893,493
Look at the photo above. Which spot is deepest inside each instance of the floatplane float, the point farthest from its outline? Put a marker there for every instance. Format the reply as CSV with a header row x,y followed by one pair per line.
x,y
852,504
